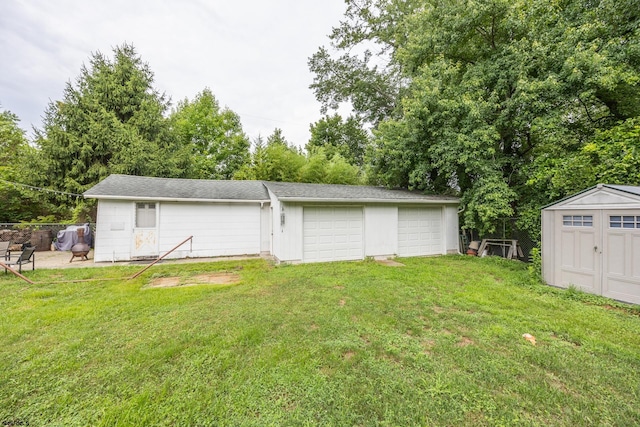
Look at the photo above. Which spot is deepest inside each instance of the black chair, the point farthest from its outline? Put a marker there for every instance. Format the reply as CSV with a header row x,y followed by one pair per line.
x,y
27,256
4,250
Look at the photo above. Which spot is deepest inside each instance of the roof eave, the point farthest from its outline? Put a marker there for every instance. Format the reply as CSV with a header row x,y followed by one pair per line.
x,y
173,199
350,200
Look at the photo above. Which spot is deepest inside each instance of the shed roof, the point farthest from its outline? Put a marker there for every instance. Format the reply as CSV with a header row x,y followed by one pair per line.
x,y
128,187
626,188
601,196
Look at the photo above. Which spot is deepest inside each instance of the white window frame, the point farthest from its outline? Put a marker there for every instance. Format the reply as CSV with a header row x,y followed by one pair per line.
x,y
624,222
151,209
577,220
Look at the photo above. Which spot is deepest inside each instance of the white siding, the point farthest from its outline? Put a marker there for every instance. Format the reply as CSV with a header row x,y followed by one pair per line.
x,y
265,228
381,230
287,231
380,224
114,229
451,230
218,229
276,232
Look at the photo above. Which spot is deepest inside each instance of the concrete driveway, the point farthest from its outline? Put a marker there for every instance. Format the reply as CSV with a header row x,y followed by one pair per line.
x,y
60,259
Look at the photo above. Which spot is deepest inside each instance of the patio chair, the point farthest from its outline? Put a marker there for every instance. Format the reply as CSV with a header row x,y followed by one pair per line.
x,y
4,250
27,256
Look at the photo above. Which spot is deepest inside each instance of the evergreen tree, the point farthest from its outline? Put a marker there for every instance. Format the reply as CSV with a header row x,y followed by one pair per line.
x,y
110,120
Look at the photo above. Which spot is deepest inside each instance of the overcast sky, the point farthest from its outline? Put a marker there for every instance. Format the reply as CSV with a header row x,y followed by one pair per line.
x,y
252,54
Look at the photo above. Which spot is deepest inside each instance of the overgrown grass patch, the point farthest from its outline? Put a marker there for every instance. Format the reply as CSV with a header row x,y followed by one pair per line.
x,y
437,342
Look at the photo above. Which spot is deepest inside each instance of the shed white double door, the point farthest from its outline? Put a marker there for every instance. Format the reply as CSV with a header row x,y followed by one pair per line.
x,y
600,252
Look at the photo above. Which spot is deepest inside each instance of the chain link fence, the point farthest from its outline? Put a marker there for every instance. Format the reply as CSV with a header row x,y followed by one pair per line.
x,y
506,229
41,236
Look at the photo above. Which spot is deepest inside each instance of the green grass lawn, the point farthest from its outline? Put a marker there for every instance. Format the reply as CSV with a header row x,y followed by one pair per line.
x,y
437,342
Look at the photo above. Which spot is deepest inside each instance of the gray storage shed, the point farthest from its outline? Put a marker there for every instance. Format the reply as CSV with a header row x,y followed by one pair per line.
x,y
591,240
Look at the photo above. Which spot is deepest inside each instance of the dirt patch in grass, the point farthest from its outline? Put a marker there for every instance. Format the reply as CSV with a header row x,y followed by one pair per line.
x,y
438,310
465,342
164,282
348,355
427,346
390,263
224,278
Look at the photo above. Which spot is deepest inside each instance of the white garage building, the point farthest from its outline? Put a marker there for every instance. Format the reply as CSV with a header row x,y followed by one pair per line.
x,y
591,240
140,217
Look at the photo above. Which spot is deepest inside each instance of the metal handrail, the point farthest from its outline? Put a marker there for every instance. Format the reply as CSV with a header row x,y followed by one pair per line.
x,y
159,258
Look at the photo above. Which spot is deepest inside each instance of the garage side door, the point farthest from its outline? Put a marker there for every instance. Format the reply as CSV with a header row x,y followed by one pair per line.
x,y
621,275
419,231
332,234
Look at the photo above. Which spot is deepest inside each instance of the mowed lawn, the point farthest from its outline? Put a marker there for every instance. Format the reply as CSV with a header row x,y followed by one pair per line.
x,y
436,342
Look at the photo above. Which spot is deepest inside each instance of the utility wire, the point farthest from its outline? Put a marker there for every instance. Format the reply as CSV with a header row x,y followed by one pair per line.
x,y
40,188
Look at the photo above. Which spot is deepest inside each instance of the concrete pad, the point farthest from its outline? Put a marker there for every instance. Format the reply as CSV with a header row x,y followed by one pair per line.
x,y
60,259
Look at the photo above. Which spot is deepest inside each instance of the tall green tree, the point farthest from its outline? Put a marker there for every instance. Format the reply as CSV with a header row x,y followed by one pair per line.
x,y
110,120
337,136
488,92
365,74
282,161
215,135
320,169
17,203
275,161
612,157
12,139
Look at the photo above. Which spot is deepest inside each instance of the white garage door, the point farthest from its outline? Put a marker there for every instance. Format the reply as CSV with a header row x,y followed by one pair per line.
x,y
419,231
332,233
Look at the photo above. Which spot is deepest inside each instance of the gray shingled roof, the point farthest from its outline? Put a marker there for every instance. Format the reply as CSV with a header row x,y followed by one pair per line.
x,y
129,187
332,192
142,187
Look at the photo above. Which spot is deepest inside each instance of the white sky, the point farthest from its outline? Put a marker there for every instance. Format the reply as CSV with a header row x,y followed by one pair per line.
x,y
252,54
